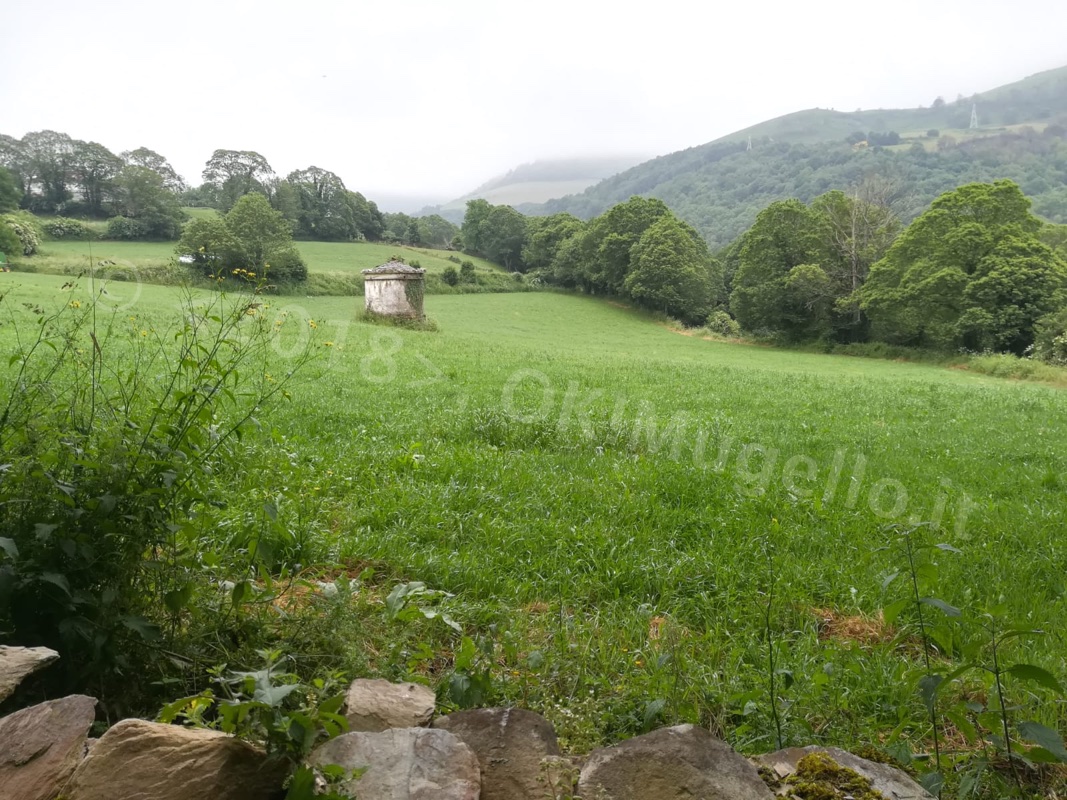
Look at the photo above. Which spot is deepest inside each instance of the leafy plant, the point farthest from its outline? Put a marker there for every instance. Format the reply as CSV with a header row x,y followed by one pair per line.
x,y
274,709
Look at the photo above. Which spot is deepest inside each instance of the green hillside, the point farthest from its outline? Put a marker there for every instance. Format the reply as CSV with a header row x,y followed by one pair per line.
x,y
719,187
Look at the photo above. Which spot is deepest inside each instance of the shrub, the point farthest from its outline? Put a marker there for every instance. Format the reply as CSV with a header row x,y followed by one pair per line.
x,y
723,324
66,228
126,229
106,485
933,133
26,228
466,272
1050,338
450,276
10,244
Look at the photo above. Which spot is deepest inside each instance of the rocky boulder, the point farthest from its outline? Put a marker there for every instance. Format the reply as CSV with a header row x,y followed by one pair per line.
x,y
403,764
510,744
138,760
377,705
893,783
680,762
41,745
17,663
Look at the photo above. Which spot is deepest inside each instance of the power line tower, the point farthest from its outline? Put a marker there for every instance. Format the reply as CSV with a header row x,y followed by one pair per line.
x,y
974,117
750,142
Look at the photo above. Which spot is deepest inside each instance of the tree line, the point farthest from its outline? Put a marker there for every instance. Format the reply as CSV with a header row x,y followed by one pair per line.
x,y
140,192
977,270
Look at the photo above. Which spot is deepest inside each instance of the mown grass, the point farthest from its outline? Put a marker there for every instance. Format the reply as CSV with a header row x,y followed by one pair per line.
x,y
521,458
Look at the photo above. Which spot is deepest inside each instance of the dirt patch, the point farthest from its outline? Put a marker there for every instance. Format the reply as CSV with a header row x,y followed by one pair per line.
x,y
854,628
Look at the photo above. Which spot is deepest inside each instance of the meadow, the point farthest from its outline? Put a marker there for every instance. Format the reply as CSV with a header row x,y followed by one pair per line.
x,y
621,526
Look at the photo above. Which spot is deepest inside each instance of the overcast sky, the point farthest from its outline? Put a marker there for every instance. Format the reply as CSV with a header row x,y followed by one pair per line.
x,y
420,97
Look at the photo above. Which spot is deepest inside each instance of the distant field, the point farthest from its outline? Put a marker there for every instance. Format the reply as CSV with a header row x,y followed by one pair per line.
x,y
320,256
620,499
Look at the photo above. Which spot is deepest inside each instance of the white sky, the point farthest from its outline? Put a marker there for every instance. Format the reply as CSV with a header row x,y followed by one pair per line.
x,y
421,97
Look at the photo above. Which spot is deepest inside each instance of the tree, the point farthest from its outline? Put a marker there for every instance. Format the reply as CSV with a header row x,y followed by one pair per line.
x,y
860,228
672,271
787,235
544,235
436,231
231,174
503,234
46,159
140,193
150,159
93,167
369,220
320,205
252,236
10,192
471,230
969,272
13,159
611,236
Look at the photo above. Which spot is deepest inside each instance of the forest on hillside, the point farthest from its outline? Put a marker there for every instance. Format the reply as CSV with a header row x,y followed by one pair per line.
x,y
720,187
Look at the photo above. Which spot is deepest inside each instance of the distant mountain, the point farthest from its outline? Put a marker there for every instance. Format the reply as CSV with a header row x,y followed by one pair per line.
x,y
538,182
719,187
406,203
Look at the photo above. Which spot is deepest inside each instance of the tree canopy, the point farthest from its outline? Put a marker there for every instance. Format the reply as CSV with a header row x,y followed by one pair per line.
x,y
970,272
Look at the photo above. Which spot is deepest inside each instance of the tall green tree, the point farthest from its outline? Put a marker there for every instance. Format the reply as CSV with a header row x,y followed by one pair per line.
x,y
231,174
610,237
544,235
324,209
436,231
969,272
93,168
672,271
503,235
47,160
478,212
150,159
767,296
140,193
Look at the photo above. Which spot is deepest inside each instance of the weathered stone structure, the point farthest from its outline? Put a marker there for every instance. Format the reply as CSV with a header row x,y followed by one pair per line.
x,y
395,290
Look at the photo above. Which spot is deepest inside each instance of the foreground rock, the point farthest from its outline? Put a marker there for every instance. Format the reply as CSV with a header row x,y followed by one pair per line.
x,y
376,705
893,783
680,762
510,744
41,745
404,764
17,663
138,760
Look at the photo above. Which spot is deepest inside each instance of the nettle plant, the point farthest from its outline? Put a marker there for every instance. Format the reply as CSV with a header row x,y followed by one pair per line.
x,y
969,675
112,437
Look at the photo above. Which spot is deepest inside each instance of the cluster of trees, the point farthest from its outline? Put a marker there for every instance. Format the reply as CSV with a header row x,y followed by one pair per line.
x,y
977,270
874,138
56,174
252,240
638,249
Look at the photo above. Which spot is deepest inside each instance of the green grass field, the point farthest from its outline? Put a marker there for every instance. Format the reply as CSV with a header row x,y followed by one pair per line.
x,y
337,257
614,505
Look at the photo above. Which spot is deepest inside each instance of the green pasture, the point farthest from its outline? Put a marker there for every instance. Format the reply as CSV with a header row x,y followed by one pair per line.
x,y
616,505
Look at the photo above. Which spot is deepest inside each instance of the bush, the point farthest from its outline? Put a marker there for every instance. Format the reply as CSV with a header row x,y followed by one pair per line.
x,y
26,228
466,272
107,489
721,323
286,266
933,133
66,228
1050,338
10,244
126,229
450,276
